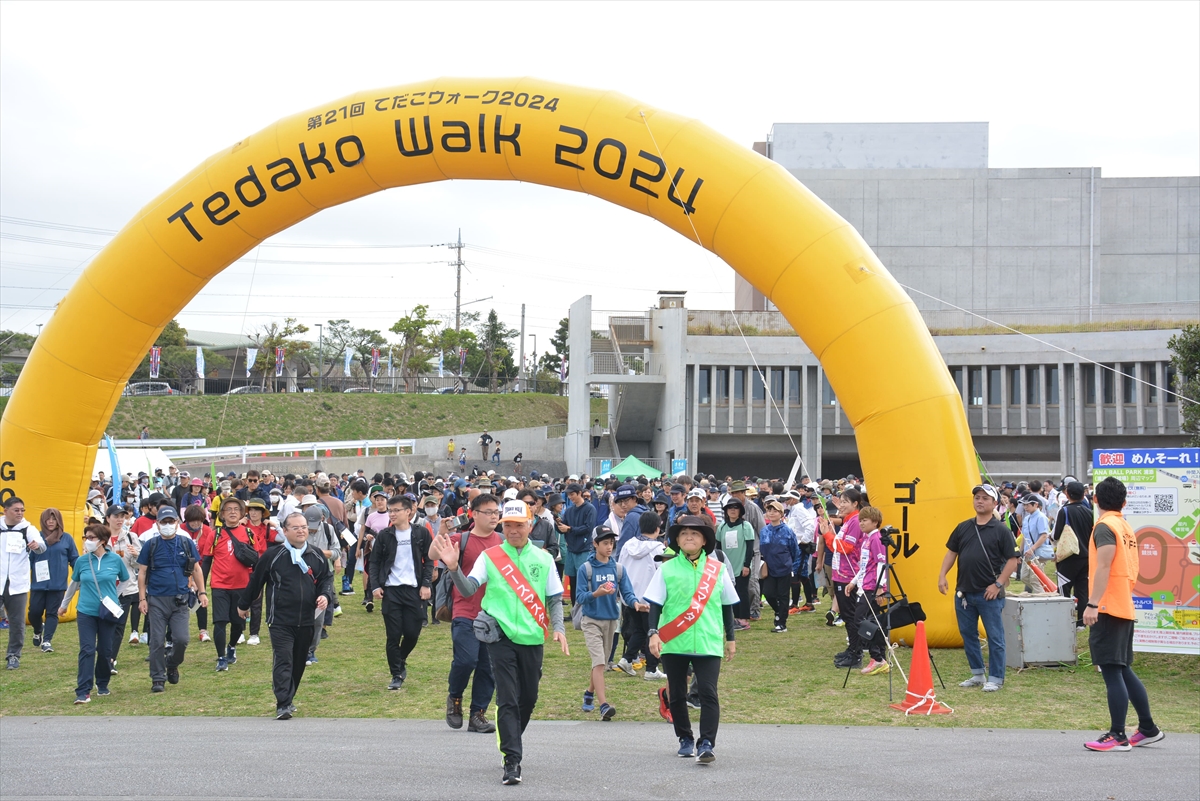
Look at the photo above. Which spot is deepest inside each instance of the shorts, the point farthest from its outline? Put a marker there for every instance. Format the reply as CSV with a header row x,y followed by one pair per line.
x,y
1110,641
222,605
598,635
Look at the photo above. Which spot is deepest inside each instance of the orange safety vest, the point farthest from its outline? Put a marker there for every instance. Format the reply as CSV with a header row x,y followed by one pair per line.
x,y
1118,594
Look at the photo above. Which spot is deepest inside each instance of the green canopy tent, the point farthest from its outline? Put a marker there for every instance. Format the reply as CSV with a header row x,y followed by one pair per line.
x,y
632,467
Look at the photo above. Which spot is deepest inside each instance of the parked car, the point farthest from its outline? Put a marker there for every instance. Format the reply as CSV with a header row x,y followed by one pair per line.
x,y
249,389
448,391
360,389
149,388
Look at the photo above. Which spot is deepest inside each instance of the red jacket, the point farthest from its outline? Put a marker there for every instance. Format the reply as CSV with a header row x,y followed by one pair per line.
x,y
227,572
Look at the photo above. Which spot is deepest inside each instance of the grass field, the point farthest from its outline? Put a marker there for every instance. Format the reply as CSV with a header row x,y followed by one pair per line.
x,y
775,678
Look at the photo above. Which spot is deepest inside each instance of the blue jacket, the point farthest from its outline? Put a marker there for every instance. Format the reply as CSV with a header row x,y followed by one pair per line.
x,y
581,519
777,545
674,512
629,529
603,607
61,555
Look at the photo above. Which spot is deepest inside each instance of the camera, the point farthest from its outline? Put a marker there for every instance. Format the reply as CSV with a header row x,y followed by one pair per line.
x,y
885,535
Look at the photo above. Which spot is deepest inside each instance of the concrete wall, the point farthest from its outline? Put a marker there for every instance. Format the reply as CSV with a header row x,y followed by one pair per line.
x,y
887,145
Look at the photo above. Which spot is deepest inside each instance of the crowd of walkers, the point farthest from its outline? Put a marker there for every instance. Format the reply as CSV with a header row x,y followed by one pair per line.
x,y
659,575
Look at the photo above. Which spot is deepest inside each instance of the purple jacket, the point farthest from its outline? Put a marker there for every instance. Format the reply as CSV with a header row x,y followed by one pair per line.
x,y
871,563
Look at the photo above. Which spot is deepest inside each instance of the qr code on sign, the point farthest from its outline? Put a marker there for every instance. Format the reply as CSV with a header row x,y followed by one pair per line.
x,y
1164,503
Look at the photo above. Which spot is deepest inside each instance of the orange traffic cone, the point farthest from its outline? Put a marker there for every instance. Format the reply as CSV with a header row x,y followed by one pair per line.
x,y
328,453
1047,584
919,698
359,452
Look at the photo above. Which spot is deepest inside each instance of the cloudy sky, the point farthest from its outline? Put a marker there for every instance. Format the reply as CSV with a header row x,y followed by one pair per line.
x,y
103,105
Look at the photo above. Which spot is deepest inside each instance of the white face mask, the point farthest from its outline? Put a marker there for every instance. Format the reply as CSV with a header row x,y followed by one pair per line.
x,y
166,529
91,546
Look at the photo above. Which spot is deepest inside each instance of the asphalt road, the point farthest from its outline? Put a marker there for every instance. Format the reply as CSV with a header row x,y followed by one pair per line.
x,y
206,758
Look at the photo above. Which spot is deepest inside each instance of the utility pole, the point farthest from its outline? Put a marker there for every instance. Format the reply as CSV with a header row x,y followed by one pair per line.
x,y
320,354
458,265
522,372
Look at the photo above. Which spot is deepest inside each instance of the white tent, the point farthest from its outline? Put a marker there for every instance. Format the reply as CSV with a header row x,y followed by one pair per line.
x,y
132,461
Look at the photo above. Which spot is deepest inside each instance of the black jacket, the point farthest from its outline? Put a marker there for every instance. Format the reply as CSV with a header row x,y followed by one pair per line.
x,y
383,555
291,594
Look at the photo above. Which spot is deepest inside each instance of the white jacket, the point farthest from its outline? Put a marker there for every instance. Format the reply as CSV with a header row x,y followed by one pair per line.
x,y
803,523
14,567
637,557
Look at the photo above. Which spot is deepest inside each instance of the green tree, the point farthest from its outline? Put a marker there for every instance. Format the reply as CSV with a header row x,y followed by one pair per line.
x,y
418,343
274,335
552,362
449,341
12,344
495,343
1185,357
341,336
177,362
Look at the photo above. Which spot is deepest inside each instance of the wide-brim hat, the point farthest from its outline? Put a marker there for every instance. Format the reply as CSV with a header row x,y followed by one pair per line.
x,y
698,522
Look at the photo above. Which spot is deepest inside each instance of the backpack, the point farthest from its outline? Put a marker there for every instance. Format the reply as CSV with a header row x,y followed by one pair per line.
x,y
189,565
443,599
577,609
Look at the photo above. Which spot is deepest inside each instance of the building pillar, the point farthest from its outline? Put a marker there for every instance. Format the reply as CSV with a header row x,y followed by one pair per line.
x,y
577,444
1160,378
1140,397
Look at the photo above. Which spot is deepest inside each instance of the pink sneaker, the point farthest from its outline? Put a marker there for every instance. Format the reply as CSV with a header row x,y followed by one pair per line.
x,y
1108,742
1145,739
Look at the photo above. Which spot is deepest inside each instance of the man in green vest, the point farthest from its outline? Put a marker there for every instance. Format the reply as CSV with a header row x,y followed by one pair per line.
x,y
691,624
522,606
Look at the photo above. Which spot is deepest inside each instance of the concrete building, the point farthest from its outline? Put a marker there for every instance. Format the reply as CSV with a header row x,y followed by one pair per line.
x,y
972,245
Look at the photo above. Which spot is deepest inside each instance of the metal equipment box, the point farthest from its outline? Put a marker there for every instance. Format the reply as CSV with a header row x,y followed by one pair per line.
x,y
1039,630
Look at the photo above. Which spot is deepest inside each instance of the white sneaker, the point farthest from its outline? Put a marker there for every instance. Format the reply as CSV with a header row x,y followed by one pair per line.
x,y
337,611
133,638
991,687
204,636
241,638
974,681
652,675
144,638
253,640
625,667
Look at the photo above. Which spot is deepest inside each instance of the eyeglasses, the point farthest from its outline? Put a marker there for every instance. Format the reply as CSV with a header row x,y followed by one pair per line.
x,y
488,512
93,537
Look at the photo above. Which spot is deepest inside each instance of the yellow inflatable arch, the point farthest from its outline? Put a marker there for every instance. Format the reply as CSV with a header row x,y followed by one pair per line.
x,y
907,415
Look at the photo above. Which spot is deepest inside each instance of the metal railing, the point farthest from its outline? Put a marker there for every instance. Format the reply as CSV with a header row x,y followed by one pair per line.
x,y
622,364
556,431
244,451
159,443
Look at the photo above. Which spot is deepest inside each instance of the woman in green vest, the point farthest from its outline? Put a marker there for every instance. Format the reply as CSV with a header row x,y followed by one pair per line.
x,y
691,624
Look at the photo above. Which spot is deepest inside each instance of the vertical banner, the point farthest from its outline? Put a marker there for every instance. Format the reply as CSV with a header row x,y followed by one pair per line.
x,y
155,361
1163,507
678,466
374,362
462,360
441,364
116,469
199,362
562,369
279,359
346,365
251,357
389,363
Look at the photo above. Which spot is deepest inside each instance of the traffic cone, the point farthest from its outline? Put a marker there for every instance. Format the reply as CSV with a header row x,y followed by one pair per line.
x,y
919,698
1047,584
359,452
328,453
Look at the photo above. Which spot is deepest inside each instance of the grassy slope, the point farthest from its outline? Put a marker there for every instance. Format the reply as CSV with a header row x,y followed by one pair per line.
x,y
774,678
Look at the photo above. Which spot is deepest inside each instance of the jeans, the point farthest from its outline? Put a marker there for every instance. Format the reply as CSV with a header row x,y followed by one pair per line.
x,y
518,670
164,613
289,650
970,609
14,607
470,656
706,669
402,616
95,652
44,603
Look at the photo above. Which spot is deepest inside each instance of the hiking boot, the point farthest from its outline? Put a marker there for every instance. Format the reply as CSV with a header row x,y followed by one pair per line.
x,y
454,712
607,711
687,747
589,701
480,723
626,668
157,687
976,680
704,752
173,675
664,708
1145,739
1108,742
512,771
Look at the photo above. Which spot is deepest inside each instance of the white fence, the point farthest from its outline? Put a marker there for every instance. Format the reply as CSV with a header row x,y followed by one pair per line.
x,y
244,451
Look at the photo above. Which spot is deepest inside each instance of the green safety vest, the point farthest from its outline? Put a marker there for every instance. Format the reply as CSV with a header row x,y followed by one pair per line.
x,y
705,637
501,601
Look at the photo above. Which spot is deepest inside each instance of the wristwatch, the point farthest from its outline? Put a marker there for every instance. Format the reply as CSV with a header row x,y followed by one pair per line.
x,y
998,584
651,633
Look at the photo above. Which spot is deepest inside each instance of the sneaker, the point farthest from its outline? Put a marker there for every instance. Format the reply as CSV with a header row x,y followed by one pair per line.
x,y
807,608
607,711
654,675
454,714
1109,742
396,683
848,662
283,713
204,636
324,634
704,752
241,638
755,616
222,664
134,639
1145,739
512,771
103,691
86,699
173,675
47,648
975,681
687,747
779,630
874,667
739,626
144,637
312,659
3,624
693,702
639,663
37,639
13,663
829,616
113,668
664,709
371,608
991,687
589,701
626,668
839,623
157,687
253,640
793,610
613,667
346,588
479,723
337,611
231,655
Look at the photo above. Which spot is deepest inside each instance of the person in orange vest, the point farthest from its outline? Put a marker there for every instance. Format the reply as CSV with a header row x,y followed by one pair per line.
x,y
1113,570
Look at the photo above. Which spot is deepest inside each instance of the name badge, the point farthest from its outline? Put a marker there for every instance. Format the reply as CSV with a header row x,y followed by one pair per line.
x,y
41,571
14,542
112,606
